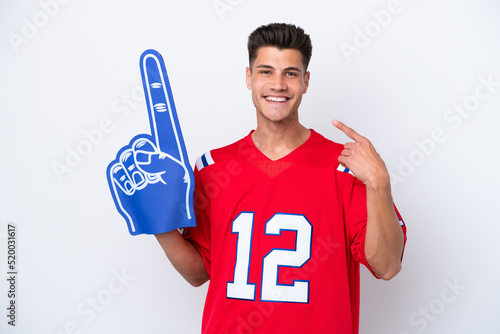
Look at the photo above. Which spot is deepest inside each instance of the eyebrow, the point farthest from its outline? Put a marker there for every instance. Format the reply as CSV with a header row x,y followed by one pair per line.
x,y
291,68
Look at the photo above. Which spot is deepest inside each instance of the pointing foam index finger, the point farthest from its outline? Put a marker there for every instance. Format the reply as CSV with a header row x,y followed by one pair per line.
x,y
347,130
163,119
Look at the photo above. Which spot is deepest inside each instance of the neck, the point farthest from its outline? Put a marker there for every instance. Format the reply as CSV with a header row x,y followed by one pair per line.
x,y
276,140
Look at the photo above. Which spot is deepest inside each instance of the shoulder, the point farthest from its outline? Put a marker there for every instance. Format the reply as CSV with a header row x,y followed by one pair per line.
x,y
329,150
235,151
325,152
325,144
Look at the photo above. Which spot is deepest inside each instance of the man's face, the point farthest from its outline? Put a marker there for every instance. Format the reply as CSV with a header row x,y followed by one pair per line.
x,y
277,80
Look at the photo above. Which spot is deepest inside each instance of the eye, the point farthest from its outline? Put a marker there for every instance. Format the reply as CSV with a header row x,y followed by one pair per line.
x,y
291,74
265,72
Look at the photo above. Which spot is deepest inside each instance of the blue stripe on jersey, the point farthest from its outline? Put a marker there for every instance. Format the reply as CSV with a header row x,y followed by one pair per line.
x,y
204,161
343,169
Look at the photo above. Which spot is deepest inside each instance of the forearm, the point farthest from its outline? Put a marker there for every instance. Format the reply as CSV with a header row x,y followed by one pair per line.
x,y
184,257
384,237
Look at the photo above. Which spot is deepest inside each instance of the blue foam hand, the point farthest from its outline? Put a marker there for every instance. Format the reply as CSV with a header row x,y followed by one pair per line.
x,y
151,180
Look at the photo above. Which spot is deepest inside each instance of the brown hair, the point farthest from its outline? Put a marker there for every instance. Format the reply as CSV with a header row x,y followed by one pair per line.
x,y
281,36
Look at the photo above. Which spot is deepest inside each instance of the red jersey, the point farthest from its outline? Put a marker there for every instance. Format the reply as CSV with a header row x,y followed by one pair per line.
x,y
281,240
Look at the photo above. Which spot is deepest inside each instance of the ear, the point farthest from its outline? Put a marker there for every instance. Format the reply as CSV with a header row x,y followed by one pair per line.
x,y
307,76
249,78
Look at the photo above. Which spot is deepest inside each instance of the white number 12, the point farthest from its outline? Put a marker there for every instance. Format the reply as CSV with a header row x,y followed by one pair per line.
x,y
298,292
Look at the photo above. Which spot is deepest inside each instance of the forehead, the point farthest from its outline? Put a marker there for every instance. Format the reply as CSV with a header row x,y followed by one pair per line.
x,y
284,58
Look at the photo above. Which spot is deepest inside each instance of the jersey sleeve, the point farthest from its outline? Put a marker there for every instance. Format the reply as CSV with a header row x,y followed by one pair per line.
x,y
199,235
403,228
356,218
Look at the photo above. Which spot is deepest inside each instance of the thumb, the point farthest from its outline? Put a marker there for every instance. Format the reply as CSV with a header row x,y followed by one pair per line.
x,y
158,162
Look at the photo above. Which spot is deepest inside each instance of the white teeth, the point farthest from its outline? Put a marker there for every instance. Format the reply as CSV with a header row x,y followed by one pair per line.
x,y
276,99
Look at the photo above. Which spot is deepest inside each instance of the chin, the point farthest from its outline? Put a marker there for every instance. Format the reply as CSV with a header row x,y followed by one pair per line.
x,y
276,116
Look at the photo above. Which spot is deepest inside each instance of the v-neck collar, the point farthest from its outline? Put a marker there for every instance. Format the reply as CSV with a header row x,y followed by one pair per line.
x,y
297,154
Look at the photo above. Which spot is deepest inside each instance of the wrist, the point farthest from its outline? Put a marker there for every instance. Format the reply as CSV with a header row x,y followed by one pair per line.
x,y
379,183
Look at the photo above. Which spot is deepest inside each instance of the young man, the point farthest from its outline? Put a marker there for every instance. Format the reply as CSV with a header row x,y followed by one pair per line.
x,y
281,223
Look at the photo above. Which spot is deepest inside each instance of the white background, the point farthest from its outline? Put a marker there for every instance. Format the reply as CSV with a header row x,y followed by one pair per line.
x,y
67,68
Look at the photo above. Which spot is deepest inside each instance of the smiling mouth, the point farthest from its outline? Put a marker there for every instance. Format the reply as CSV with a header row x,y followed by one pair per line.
x,y
276,98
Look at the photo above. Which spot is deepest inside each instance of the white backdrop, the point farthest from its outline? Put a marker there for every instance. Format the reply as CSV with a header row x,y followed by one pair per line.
x,y
421,79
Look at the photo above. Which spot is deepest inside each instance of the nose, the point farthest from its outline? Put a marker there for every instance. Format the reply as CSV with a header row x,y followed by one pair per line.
x,y
278,83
